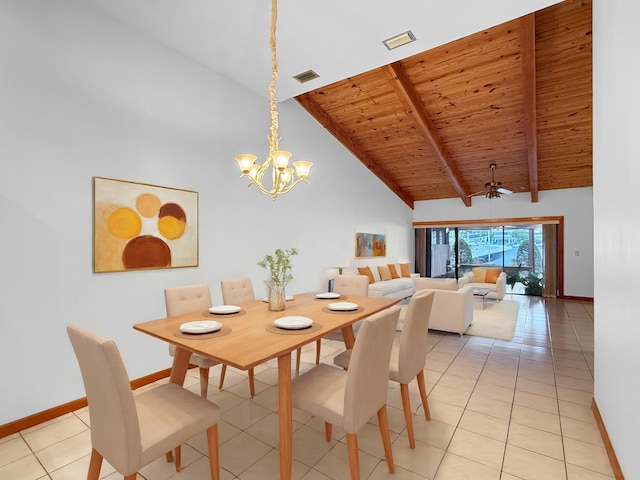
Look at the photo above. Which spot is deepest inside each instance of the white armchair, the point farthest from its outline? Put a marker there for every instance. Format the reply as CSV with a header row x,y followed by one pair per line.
x,y
452,309
493,279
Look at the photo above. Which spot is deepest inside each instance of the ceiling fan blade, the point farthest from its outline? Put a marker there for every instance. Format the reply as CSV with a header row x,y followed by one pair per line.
x,y
505,191
483,192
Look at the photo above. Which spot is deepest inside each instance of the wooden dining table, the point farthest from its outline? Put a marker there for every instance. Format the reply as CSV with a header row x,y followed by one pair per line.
x,y
248,338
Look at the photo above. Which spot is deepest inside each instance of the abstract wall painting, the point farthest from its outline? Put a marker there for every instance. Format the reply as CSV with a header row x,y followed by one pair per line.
x,y
138,226
370,245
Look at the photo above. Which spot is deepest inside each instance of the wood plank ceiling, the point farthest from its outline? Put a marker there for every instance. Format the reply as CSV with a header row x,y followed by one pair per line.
x,y
518,95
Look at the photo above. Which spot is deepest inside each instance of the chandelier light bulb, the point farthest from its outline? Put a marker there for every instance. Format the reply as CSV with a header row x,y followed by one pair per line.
x,y
281,159
245,162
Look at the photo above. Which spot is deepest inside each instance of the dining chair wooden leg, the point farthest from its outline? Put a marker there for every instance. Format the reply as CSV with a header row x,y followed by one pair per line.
x,y
298,354
95,464
383,421
406,408
169,456
354,461
178,455
318,345
223,372
423,394
328,430
131,477
214,460
252,383
204,382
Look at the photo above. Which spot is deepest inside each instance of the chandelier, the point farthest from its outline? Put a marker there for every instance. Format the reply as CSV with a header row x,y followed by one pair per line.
x,y
283,177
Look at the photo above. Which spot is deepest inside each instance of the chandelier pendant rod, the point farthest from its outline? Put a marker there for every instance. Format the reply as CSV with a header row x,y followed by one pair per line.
x,y
273,140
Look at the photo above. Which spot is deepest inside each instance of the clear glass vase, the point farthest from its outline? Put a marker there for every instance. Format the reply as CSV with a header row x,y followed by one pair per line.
x,y
276,295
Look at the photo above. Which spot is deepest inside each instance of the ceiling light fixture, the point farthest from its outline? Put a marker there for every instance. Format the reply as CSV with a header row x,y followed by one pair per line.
x,y
495,188
399,40
283,178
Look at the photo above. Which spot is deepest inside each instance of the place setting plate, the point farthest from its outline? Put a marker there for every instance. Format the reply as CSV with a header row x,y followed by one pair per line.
x,y
342,306
224,309
328,296
293,323
200,327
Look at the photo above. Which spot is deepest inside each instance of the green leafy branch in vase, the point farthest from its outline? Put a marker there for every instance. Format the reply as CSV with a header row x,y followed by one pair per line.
x,y
279,265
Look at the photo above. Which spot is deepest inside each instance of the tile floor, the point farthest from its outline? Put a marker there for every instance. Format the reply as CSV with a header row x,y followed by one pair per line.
x,y
500,410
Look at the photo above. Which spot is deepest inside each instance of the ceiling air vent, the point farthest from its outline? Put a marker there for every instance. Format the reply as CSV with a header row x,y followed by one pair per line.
x,y
306,76
399,40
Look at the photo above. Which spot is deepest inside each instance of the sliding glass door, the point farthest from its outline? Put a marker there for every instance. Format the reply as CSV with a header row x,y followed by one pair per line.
x,y
517,249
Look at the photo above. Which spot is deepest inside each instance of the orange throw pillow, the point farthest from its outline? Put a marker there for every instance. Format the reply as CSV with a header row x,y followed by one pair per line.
x,y
404,270
367,271
393,271
492,275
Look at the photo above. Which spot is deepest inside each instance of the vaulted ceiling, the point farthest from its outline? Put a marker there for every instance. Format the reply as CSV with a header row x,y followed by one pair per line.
x,y
518,95
428,118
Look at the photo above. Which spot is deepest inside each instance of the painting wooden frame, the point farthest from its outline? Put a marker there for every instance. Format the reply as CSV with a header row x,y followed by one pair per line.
x,y
137,226
370,245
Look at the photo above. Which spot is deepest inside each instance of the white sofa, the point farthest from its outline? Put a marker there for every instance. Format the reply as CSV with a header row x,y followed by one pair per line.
x,y
483,277
452,309
395,288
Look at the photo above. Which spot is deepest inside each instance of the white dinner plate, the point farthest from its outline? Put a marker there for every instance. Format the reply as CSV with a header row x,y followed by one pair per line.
x,y
203,326
328,295
224,309
288,298
293,323
342,306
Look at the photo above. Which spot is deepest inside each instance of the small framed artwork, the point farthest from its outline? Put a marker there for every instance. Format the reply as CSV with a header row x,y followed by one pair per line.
x,y
370,245
137,226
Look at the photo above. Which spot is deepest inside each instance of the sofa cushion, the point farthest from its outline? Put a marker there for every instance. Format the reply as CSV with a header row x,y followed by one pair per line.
x,y
404,270
478,274
367,271
384,272
393,271
391,286
492,275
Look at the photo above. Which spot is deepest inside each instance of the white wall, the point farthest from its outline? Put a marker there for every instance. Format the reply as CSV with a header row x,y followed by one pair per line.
x,y
575,204
616,170
82,96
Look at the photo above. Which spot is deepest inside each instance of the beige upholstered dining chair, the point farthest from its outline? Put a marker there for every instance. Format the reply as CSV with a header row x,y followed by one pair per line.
x,y
349,398
130,431
357,285
409,357
238,291
187,299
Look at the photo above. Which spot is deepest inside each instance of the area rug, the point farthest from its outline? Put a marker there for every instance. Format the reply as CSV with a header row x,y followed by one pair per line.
x,y
497,320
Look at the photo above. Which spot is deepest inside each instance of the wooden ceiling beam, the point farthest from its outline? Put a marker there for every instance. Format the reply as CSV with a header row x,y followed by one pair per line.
x,y
528,58
317,112
403,87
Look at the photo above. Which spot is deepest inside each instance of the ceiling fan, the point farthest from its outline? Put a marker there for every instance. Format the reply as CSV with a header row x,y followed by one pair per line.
x,y
495,189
